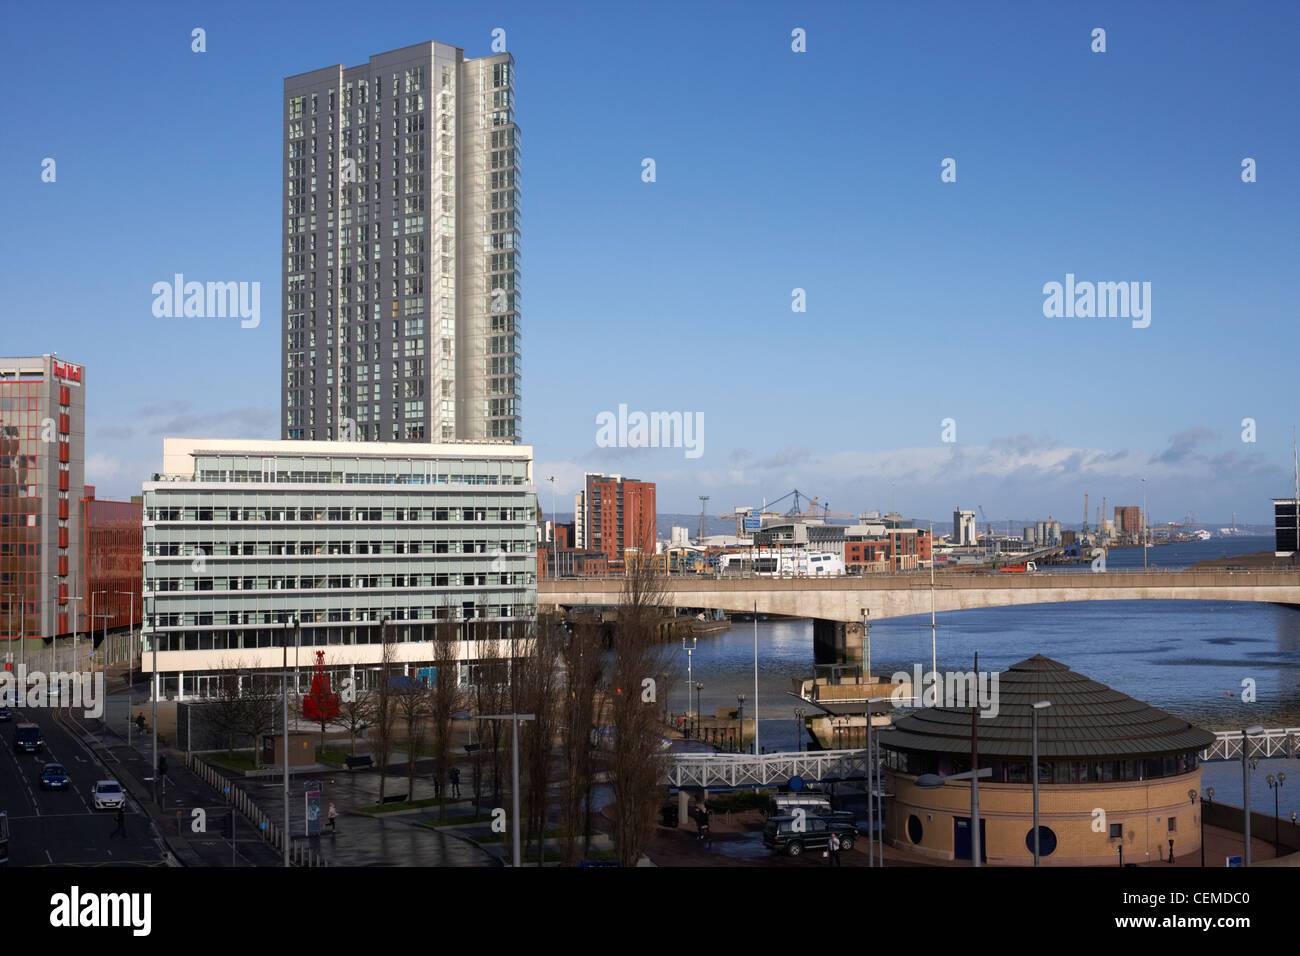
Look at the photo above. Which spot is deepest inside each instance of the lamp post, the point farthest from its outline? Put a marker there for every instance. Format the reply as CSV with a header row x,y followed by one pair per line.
x,y
1146,535
690,651
799,726
1246,734
740,720
929,781
699,702
1209,796
514,762
871,793
130,663
1033,769
1275,784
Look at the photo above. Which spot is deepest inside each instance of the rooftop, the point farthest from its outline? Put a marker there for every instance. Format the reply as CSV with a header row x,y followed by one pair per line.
x,y
1087,720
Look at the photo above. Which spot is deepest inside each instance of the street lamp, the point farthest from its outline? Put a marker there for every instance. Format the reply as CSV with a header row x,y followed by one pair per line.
x,y
699,702
1245,781
22,640
514,755
740,720
799,726
1275,784
690,651
871,793
1146,521
1040,705
930,781
130,663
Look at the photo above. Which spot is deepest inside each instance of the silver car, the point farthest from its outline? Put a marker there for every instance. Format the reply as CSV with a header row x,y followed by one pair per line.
x,y
108,795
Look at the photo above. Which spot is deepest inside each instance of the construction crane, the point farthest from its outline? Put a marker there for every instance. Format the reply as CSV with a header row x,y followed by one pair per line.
x,y
988,524
803,507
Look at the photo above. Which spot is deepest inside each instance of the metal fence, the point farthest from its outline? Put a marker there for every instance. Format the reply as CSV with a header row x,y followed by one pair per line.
x,y
300,854
1271,743
765,770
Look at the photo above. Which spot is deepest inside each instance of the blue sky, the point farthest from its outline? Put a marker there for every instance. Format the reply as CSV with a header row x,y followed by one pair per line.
x,y
775,170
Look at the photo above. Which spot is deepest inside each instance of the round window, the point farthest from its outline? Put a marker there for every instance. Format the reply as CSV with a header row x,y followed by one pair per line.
x,y
1046,841
914,829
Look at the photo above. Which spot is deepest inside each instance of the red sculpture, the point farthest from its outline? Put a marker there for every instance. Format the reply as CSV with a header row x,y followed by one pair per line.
x,y
320,704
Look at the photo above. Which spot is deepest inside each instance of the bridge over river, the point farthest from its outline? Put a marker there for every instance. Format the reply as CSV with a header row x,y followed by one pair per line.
x,y
841,606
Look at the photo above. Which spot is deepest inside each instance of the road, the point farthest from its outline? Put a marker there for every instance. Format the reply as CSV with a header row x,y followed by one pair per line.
x,y
60,828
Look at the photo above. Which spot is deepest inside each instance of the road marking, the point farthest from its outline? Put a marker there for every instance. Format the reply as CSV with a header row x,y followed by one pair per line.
x,y
48,857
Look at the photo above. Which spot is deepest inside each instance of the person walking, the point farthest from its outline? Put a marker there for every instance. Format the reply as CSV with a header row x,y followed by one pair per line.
x,y
333,818
454,776
834,849
702,820
120,829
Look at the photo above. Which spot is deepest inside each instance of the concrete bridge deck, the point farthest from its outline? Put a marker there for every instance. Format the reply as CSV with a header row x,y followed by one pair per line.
x,y
879,596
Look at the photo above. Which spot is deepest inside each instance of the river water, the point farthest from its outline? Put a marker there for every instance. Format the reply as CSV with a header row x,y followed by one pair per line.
x,y
1189,658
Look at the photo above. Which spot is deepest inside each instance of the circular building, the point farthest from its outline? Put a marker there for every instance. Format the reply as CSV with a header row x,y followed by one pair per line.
x,y
1113,772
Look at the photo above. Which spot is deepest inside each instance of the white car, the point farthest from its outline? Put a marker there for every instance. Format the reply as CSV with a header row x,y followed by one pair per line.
x,y
108,795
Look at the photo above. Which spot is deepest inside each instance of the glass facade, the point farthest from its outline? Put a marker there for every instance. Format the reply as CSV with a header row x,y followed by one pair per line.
x,y
248,543
21,484
1049,771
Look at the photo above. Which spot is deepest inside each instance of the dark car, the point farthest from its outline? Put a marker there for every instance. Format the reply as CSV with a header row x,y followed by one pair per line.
x,y
6,714
792,835
54,777
28,739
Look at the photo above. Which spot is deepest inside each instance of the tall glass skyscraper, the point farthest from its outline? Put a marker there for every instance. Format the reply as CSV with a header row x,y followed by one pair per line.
x,y
401,249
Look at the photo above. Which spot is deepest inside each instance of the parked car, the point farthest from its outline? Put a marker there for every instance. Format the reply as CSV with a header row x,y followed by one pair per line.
x,y
108,795
792,835
4,837
28,739
54,777
813,804
6,714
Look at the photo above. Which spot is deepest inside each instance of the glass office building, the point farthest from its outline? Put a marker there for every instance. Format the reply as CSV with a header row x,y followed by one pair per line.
x,y
244,538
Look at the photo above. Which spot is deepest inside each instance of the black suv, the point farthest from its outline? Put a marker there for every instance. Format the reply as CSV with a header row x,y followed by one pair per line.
x,y
814,832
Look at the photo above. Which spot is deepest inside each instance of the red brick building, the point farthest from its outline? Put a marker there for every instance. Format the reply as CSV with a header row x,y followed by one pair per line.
x,y
112,544
617,515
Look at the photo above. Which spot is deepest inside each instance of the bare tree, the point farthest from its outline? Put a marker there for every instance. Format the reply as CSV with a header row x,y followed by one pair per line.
x,y
445,701
538,681
491,696
383,709
584,671
356,713
221,711
641,671
411,700
259,710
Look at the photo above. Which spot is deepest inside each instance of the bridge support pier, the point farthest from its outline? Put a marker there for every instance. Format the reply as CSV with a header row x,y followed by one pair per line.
x,y
837,642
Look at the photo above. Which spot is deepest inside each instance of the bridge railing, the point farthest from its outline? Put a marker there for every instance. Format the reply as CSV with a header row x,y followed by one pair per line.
x,y
765,770
888,580
1280,742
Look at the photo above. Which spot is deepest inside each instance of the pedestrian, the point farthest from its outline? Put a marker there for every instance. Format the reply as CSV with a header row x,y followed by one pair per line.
x,y
702,820
120,830
333,818
454,776
139,722
835,849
